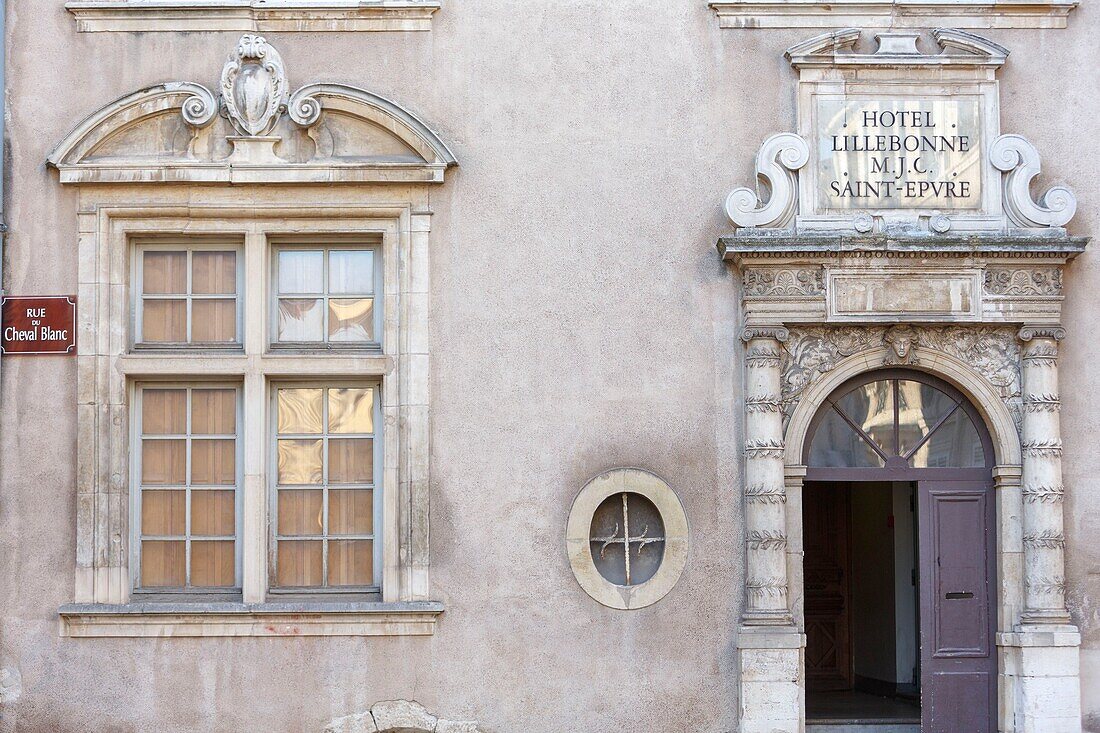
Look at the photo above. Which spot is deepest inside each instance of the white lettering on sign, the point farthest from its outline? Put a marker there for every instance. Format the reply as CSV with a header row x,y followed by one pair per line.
x,y
899,154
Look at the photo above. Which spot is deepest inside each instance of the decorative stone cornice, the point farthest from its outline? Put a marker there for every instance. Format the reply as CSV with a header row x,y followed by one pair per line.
x,y
973,14
1023,281
256,16
764,245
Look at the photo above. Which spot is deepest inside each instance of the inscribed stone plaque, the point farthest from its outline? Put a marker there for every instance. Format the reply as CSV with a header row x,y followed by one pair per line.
x,y
899,153
935,296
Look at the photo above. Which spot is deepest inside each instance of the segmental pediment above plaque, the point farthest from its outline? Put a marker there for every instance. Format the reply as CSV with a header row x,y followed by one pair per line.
x,y
897,140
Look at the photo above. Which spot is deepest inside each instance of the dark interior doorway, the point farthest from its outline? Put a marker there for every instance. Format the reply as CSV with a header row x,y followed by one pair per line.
x,y
898,529
861,607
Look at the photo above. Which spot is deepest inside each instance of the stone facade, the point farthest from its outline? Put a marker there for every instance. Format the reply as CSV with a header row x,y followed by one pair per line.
x,y
547,182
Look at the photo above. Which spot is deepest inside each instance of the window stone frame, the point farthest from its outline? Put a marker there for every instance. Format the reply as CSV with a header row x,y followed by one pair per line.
x,y
579,530
107,369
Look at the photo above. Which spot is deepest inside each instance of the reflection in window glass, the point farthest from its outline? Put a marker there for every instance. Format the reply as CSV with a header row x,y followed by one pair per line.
x,y
954,444
871,407
836,444
325,486
326,296
921,407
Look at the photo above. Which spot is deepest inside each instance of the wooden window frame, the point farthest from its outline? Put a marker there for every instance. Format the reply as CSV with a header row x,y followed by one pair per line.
x,y
340,245
190,245
376,486
136,533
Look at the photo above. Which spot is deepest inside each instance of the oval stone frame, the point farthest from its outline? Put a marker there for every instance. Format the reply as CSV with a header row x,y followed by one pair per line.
x,y
578,545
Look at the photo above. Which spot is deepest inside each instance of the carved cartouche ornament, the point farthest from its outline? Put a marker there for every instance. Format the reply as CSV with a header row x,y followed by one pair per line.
x,y
253,87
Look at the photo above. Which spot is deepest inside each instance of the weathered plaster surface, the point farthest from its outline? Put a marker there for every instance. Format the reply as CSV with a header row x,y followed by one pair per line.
x,y
580,320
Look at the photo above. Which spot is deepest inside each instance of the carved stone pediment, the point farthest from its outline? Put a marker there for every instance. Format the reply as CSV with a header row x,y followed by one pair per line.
x,y
897,140
254,130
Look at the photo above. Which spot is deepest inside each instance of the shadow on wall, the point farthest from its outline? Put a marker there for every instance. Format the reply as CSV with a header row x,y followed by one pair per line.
x,y
399,716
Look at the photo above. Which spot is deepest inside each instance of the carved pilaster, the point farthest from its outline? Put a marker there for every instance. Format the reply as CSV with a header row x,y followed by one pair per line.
x,y
1043,527
765,492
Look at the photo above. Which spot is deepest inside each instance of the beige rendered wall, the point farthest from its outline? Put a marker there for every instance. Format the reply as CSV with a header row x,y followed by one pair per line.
x,y
581,319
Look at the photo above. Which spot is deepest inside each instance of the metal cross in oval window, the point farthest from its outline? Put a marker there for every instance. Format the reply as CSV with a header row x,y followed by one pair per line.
x,y
628,538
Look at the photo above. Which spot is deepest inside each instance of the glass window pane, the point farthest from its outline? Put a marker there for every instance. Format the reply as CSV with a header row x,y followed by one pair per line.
x,y
350,562
351,271
350,460
164,513
871,406
214,321
163,411
213,564
301,320
214,272
920,407
835,444
351,320
164,272
300,511
301,271
164,321
213,462
299,462
351,410
213,411
956,444
350,511
299,411
213,514
163,563
299,563
164,462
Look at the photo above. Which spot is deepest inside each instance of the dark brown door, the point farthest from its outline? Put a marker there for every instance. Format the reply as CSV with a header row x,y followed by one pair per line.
x,y
826,537
958,657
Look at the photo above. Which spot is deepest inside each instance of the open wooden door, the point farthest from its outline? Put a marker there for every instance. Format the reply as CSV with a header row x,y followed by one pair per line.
x,y
827,582
958,655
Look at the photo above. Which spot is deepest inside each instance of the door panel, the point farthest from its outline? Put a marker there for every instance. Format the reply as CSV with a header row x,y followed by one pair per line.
x,y
826,538
958,663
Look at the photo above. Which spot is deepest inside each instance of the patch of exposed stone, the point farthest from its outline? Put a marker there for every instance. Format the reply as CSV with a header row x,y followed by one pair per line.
x,y
399,716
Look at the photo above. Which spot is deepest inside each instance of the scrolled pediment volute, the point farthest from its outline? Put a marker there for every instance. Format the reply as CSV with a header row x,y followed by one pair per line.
x,y
252,129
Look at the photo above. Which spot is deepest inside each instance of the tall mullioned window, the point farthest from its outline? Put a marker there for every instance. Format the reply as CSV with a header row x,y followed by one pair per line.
x,y
325,487
188,485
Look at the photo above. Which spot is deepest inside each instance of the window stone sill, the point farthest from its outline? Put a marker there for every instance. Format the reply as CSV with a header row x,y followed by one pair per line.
x,y
313,618
965,14
252,15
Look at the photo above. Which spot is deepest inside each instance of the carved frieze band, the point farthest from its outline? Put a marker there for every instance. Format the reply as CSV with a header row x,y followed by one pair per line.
x,y
760,588
783,282
764,449
760,494
766,540
1046,585
763,403
1045,402
1045,494
812,351
1048,540
1023,281
1042,448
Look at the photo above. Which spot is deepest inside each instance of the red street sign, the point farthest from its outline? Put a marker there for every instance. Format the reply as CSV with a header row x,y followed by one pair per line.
x,y
39,324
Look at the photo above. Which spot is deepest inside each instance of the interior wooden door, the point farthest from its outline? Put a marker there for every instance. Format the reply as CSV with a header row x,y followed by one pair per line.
x,y
826,536
958,656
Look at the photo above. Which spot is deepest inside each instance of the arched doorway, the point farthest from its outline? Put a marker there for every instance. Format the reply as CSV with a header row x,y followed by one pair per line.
x,y
899,538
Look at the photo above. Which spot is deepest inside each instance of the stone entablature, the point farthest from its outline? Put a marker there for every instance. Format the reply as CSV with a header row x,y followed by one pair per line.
x,y
899,141
260,16
970,14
